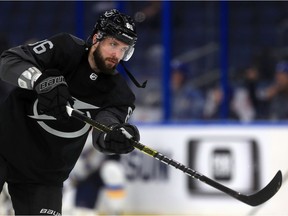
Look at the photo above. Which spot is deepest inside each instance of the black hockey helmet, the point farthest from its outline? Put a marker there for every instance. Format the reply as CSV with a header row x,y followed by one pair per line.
x,y
120,26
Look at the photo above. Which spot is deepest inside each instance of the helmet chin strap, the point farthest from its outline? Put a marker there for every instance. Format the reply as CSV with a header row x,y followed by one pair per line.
x,y
136,83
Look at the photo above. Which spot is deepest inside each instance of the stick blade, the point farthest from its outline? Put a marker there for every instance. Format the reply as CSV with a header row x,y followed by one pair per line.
x,y
265,194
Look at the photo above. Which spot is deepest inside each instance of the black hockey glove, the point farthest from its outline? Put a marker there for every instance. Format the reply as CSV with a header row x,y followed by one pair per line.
x,y
53,96
116,142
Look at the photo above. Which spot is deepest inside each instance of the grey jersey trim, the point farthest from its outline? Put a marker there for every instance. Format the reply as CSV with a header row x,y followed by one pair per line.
x,y
28,77
75,134
58,133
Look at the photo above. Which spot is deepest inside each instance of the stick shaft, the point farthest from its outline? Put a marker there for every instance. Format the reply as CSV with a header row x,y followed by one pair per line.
x,y
253,200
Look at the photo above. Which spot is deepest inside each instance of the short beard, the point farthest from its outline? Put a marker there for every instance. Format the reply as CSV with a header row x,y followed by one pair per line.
x,y
100,63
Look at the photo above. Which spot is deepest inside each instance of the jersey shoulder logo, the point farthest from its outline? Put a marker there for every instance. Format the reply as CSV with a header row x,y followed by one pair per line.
x,y
79,105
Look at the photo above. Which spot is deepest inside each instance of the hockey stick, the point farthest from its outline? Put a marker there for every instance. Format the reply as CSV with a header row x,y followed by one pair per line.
x,y
253,200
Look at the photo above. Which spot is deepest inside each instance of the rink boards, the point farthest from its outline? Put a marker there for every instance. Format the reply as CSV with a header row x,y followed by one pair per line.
x,y
244,158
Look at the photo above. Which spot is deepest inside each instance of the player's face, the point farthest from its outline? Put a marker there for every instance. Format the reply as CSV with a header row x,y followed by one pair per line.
x,y
108,53
281,79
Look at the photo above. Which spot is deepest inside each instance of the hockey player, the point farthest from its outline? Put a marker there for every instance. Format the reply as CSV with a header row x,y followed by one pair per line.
x,y
39,142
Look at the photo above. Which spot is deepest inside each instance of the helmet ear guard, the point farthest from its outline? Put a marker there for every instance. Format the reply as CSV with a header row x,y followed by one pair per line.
x,y
128,54
99,36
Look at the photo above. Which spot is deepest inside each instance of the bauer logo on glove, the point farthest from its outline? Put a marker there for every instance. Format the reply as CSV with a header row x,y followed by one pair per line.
x,y
53,95
49,83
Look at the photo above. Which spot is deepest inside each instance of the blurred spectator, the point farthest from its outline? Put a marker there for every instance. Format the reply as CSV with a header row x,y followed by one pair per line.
x,y
187,102
265,60
254,86
241,105
251,79
212,109
214,98
277,93
245,101
148,103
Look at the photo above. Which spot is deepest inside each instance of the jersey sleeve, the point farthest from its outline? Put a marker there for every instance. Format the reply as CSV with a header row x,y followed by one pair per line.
x,y
22,65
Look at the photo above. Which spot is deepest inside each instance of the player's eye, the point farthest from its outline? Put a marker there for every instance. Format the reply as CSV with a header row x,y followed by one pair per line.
x,y
113,44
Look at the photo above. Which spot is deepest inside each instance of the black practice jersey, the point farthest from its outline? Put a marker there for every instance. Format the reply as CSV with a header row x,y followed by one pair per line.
x,y
38,148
